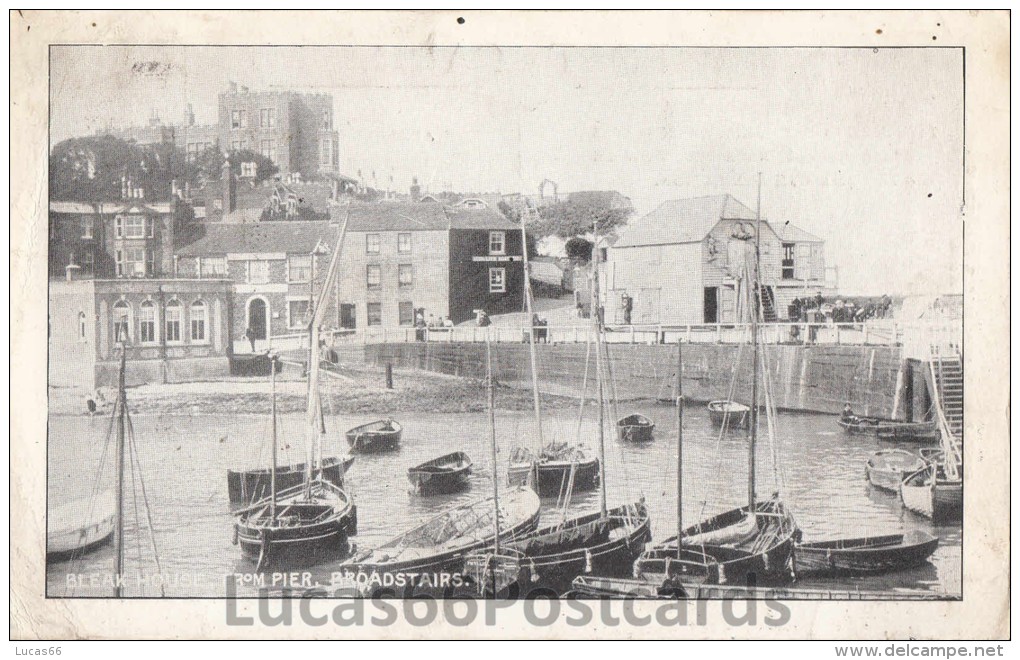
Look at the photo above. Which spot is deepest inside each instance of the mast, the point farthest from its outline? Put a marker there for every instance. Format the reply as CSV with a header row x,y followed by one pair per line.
x,y
313,418
272,474
118,565
531,334
599,366
491,393
679,446
755,284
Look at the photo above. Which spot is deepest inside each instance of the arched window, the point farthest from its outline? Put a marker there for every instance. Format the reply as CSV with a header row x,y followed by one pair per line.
x,y
199,320
147,322
173,321
81,326
121,321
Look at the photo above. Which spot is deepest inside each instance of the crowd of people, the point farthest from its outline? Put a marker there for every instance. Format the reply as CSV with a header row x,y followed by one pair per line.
x,y
817,310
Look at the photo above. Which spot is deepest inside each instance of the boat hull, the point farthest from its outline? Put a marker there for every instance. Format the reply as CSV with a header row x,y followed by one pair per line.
x,y
739,415
441,476
306,531
375,437
887,429
887,470
553,476
246,487
589,545
864,556
941,501
635,428
79,527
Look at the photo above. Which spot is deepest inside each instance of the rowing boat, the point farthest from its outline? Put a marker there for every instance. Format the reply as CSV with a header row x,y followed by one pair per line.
x,y
446,474
861,556
888,429
635,428
245,487
887,468
729,414
381,435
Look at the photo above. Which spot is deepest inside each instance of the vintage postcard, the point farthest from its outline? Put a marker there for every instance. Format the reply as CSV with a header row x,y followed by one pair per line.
x,y
533,317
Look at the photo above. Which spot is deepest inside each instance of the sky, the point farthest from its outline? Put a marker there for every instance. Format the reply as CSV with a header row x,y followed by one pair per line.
x,y
863,147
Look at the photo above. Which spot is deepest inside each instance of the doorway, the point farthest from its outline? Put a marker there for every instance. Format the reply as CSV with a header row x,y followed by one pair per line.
x,y
711,304
258,317
348,318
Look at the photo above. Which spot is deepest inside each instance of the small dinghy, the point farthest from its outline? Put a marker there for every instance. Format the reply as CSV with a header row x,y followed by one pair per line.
x,y
446,474
78,527
730,414
861,556
553,468
888,429
381,435
249,486
635,428
886,469
933,494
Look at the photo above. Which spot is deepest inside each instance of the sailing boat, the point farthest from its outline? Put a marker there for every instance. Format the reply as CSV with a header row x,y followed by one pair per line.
x,y
313,520
605,542
556,463
754,542
434,556
72,538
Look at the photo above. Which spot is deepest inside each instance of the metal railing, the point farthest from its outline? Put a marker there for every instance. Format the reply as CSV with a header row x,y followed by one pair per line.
x,y
871,333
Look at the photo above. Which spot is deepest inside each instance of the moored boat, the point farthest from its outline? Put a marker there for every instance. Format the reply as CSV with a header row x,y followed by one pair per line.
x,y
430,557
635,428
933,494
446,474
380,435
862,556
886,469
729,414
310,524
78,527
553,466
889,429
246,487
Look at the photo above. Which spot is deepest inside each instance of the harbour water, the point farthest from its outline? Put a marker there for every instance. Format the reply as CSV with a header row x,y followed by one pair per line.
x,y
184,460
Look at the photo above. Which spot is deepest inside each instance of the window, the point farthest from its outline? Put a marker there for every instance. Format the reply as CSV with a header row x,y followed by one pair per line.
x,y
86,226
147,322
199,319
151,224
130,226
81,326
297,314
121,321
267,117
193,149
269,149
405,309
497,280
258,272
131,262
372,243
173,321
299,268
374,276
326,120
404,243
237,145
405,275
788,270
150,262
249,170
238,119
88,262
374,313
213,267
327,153
497,242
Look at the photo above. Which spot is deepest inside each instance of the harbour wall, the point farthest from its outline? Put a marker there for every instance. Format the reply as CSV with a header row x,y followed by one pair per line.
x,y
875,380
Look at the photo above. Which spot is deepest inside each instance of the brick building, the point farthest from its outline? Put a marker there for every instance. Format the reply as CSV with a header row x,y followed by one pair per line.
x,y
294,130
274,269
424,257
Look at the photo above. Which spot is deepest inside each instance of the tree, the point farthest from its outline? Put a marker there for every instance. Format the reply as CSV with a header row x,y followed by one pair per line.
x,y
91,168
210,163
569,219
579,249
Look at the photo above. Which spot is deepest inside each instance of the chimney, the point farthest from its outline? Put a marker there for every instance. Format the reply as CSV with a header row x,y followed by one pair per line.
x,y
229,187
189,116
415,190
232,87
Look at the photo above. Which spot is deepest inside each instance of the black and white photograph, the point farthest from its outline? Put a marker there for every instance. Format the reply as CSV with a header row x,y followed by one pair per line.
x,y
578,323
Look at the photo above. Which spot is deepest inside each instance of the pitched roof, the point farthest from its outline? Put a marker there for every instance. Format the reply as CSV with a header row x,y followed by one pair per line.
x,y
130,206
291,237
795,234
683,221
419,217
